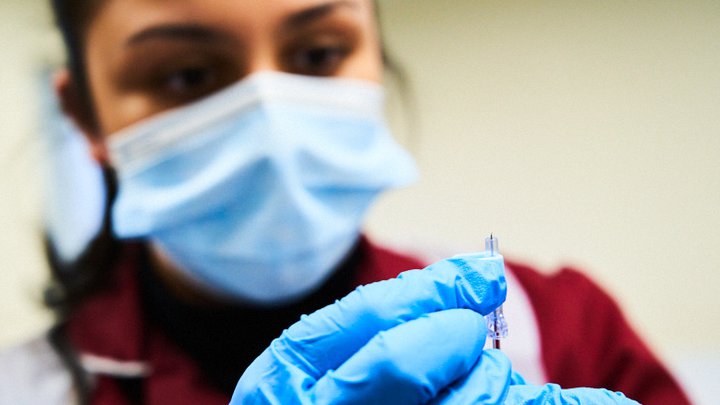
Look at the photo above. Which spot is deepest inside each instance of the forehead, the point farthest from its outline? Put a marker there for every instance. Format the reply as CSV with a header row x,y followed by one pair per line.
x,y
123,17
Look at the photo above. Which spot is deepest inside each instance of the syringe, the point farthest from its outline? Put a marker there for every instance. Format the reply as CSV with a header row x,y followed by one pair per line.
x,y
496,324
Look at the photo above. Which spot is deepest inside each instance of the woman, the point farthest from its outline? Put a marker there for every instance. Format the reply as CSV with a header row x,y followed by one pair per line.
x,y
242,144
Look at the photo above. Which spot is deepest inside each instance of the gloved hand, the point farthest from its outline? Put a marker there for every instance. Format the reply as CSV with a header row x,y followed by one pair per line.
x,y
469,390
410,340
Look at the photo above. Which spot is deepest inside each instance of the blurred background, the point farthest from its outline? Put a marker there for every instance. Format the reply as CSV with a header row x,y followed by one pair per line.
x,y
582,133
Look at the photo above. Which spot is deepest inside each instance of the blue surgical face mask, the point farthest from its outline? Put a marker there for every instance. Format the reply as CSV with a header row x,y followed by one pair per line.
x,y
258,191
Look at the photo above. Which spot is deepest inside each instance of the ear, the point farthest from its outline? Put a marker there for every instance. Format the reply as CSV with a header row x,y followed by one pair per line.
x,y
78,109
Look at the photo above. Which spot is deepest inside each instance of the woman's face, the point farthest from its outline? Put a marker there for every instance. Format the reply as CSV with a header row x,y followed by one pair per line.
x,y
147,56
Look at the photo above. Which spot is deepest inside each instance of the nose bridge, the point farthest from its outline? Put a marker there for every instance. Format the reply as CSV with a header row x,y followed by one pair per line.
x,y
263,57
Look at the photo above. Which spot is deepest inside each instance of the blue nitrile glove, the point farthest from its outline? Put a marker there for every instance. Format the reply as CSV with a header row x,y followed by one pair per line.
x,y
471,389
410,340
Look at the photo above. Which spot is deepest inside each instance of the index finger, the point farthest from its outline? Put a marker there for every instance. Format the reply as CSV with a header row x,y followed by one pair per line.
x,y
323,340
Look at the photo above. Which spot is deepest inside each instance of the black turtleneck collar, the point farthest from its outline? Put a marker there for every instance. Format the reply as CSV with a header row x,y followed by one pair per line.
x,y
223,341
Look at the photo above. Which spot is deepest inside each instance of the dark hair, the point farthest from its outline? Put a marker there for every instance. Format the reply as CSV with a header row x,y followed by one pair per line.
x,y
72,18
71,282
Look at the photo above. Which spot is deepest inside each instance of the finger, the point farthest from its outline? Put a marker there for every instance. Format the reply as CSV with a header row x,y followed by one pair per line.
x,y
325,339
487,383
408,364
552,394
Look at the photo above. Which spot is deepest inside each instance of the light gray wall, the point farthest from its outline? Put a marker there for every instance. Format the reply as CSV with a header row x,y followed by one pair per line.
x,y
24,42
580,132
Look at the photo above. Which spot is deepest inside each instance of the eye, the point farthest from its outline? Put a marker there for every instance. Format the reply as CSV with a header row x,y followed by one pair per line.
x,y
190,81
317,60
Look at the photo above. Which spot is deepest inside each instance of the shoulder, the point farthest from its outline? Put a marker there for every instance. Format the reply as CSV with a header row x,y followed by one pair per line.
x,y
566,277
567,293
586,340
380,262
32,373
568,300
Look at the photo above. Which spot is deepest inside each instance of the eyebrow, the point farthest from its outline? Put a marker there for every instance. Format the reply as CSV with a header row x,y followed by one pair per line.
x,y
193,32
199,33
314,13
